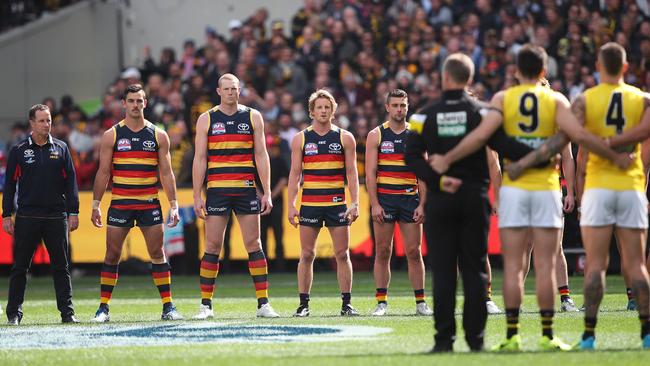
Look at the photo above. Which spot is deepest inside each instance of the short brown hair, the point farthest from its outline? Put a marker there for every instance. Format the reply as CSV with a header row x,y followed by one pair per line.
x,y
133,88
396,93
460,67
35,108
531,61
321,93
612,56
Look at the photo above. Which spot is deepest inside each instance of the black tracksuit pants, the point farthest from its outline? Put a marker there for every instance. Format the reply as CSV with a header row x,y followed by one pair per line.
x,y
457,228
28,233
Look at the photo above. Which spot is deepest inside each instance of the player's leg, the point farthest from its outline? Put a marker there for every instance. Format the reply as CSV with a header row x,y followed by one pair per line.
x,y
215,228
515,253
490,305
562,276
383,250
341,243
308,236
258,268
160,269
115,237
412,235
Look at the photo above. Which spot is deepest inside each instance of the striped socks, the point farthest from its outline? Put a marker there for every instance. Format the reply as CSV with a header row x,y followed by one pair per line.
x,y
489,291
419,296
645,325
259,270
208,276
381,295
108,280
162,278
512,322
547,322
565,294
590,328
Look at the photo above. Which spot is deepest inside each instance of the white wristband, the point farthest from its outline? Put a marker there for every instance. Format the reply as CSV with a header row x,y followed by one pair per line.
x,y
173,204
96,204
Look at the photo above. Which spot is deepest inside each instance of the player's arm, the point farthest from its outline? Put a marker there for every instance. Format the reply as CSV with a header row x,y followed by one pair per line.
x,y
167,179
103,174
294,177
350,150
372,142
494,170
262,161
475,140
569,172
200,163
9,192
638,133
581,170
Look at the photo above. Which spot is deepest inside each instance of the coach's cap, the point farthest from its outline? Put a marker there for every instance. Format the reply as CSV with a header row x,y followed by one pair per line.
x,y
130,73
234,24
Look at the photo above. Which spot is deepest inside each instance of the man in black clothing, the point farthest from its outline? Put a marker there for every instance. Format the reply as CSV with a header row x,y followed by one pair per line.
x,y
458,208
48,202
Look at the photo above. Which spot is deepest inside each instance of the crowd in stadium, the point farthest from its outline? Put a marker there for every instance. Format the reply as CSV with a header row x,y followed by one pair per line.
x,y
359,49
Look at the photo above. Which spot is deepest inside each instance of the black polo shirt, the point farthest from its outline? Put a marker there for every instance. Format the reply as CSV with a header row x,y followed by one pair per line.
x,y
45,179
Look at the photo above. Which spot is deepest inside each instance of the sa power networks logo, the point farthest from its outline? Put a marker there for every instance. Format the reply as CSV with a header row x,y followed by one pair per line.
x,y
218,128
177,334
123,145
311,149
387,147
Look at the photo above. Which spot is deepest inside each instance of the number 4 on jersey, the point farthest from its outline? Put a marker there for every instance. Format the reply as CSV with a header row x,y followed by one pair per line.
x,y
615,115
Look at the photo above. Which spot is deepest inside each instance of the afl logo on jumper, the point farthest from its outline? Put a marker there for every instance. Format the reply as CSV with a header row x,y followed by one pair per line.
x,y
311,149
148,145
243,127
387,147
218,128
335,148
124,145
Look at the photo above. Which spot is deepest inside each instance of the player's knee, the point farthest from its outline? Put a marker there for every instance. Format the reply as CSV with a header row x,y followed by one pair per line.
x,y
413,254
342,255
307,255
382,253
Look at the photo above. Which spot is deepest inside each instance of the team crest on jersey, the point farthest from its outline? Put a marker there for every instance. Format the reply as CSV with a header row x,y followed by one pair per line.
x,y
123,145
311,149
387,147
218,128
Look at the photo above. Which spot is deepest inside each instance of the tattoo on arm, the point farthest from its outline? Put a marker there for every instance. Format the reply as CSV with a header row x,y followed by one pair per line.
x,y
578,109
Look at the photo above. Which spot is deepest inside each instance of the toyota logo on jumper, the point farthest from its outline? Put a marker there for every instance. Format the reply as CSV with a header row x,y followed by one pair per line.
x,y
243,127
29,153
335,146
149,144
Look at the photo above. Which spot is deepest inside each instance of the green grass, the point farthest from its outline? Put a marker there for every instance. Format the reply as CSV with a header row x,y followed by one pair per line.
x,y
135,301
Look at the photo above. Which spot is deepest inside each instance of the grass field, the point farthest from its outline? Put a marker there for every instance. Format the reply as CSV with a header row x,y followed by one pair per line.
x,y
407,340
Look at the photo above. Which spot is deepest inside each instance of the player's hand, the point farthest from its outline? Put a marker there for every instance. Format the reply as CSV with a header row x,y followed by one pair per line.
x,y
623,160
352,212
292,215
418,214
450,184
439,163
514,170
495,207
96,217
8,225
174,217
73,222
569,204
377,213
266,204
199,207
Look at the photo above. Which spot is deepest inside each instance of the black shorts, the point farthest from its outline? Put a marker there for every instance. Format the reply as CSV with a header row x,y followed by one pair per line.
x,y
220,204
398,207
315,216
126,218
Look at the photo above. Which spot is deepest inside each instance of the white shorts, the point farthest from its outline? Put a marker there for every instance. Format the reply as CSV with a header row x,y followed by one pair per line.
x,y
523,208
603,207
